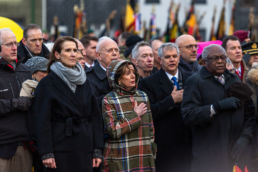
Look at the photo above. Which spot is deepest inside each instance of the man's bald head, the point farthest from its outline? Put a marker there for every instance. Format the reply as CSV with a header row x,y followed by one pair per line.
x,y
188,47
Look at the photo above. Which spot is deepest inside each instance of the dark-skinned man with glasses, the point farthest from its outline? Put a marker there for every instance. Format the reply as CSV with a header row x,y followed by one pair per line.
x,y
188,54
32,44
218,109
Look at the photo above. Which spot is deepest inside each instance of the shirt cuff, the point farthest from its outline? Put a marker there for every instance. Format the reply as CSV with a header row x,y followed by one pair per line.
x,y
212,111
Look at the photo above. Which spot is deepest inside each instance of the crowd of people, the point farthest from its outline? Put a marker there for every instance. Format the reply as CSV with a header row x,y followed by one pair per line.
x,y
99,104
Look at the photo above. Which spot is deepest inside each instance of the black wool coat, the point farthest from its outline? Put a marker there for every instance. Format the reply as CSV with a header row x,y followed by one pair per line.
x,y
23,53
214,137
13,122
98,79
171,135
67,124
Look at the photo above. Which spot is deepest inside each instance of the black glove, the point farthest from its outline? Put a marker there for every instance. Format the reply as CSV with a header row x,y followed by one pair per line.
x,y
230,103
239,148
21,103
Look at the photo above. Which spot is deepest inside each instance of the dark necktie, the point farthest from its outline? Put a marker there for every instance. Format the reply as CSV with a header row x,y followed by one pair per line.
x,y
175,82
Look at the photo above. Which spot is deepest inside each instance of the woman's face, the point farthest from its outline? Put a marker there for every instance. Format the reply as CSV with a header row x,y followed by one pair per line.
x,y
39,75
68,54
127,80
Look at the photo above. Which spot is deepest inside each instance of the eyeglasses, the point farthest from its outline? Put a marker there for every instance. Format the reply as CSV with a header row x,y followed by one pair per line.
x,y
35,40
10,44
190,46
216,58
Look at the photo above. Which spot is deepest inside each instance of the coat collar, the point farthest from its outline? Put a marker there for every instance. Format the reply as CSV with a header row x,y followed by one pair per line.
x,y
229,77
24,54
66,91
100,73
165,84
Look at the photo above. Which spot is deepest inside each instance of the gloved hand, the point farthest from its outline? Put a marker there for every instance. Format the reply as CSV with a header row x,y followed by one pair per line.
x,y
230,103
239,148
21,103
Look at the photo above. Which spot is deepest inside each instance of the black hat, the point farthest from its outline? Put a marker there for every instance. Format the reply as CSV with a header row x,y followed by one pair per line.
x,y
131,41
37,63
250,48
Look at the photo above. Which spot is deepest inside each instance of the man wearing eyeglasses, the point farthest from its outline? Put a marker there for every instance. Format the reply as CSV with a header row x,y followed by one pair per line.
x,y
107,50
188,54
220,112
14,156
32,44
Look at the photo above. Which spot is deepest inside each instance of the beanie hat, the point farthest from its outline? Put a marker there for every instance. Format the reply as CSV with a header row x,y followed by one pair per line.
x,y
130,43
241,34
37,63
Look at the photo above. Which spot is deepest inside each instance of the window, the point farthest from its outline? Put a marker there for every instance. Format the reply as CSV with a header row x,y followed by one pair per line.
x,y
152,1
200,2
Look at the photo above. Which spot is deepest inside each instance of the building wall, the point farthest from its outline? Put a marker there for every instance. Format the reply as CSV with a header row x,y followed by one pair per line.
x,y
20,11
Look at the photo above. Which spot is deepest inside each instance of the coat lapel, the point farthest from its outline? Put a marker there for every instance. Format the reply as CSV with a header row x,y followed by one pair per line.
x,y
100,73
68,95
165,84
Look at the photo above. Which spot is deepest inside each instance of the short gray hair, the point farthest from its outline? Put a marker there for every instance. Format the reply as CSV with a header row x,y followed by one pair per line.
x,y
2,31
101,41
166,46
135,51
206,50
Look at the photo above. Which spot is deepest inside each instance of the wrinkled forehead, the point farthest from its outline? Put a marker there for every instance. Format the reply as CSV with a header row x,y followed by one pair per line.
x,y
145,49
109,44
34,32
216,51
7,36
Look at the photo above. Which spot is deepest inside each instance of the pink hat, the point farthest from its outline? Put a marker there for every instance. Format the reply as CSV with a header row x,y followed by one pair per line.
x,y
202,45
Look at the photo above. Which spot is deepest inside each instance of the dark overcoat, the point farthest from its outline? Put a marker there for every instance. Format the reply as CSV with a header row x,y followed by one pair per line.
x,y
171,135
67,124
98,79
214,137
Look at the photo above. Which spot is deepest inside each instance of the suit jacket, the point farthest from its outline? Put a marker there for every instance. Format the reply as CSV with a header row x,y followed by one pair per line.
x,y
98,79
172,136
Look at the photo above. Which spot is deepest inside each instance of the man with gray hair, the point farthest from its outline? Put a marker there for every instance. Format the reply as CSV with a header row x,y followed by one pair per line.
x,y
14,156
165,90
218,109
107,50
143,58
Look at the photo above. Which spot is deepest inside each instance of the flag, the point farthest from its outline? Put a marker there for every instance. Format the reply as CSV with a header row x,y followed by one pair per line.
x,y
212,34
129,17
190,22
170,20
221,26
175,30
251,24
152,24
137,23
232,21
237,169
